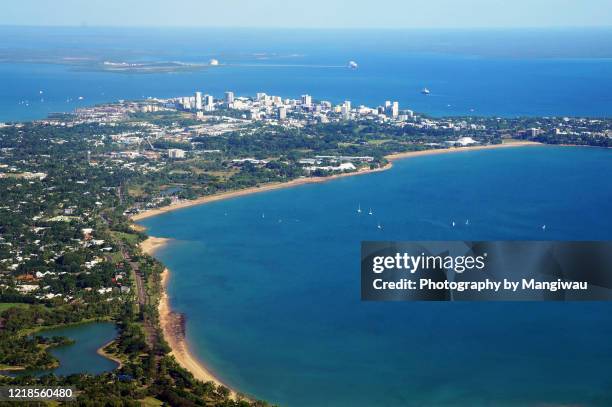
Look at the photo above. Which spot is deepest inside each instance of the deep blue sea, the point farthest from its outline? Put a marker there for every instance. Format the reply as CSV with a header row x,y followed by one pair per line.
x,y
273,302
481,72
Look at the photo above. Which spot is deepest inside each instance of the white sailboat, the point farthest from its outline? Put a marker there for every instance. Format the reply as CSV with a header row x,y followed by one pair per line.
x,y
370,213
359,209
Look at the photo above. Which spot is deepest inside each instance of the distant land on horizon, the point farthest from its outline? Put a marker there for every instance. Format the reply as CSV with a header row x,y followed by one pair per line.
x,y
568,42
499,72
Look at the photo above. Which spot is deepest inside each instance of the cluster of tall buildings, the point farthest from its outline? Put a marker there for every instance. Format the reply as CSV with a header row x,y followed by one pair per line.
x,y
199,102
265,106
306,100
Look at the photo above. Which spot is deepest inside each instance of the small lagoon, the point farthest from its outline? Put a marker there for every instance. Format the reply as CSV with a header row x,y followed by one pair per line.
x,y
81,356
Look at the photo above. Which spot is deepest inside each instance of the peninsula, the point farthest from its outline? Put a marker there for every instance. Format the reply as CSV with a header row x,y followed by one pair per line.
x,y
74,183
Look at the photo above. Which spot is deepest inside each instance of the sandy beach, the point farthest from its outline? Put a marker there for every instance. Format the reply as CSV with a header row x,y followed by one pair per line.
x,y
152,243
311,180
170,321
175,337
400,156
247,191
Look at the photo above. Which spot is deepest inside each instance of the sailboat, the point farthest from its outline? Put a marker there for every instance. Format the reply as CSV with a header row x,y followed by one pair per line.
x,y
453,223
370,213
467,221
379,226
543,227
359,209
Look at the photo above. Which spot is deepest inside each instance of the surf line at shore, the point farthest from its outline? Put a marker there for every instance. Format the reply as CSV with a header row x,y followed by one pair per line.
x,y
171,326
312,180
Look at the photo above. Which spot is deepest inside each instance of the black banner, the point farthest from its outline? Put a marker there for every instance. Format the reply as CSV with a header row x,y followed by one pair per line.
x,y
486,271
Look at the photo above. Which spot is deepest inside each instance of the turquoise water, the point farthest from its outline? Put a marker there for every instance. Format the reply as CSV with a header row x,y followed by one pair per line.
x,y
273,303
480,72
82,356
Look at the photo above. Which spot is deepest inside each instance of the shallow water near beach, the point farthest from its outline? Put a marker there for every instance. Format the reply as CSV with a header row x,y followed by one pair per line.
x,y
270,286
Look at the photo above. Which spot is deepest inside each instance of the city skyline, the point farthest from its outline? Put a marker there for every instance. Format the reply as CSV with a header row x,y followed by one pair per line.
x,y
317,14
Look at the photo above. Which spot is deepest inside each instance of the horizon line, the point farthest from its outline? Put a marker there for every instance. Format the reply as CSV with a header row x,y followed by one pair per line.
x,y
371,28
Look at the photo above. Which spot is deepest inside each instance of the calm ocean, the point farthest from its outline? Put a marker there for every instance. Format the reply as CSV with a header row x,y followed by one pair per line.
x,y
273,303
501,73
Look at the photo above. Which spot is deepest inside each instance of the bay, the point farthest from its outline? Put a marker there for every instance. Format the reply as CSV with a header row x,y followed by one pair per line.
x,y
273,305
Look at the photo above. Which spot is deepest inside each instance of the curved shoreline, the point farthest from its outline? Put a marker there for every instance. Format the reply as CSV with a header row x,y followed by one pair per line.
x,y
314,180
100,351
178,343
247,191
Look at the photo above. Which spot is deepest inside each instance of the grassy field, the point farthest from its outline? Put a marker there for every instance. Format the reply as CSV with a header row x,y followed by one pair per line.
x,y
135,191
150,402
6,305
126,237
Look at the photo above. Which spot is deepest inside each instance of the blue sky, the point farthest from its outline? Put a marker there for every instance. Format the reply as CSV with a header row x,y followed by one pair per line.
x,y
311,13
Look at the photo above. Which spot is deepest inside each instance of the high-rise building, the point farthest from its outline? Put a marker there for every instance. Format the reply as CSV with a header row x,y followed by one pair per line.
x,y
229,97
395,109
261,96
198,100
186,103
347,104
306,100
209,100
346,111
282,113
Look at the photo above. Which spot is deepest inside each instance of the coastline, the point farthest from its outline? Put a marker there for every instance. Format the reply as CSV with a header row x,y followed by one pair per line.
x,y
451,150
167,318
168,322
314,180
248,191
177,341
151,244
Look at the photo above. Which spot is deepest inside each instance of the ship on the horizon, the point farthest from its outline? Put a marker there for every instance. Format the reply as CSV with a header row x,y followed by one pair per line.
x,y
425,91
